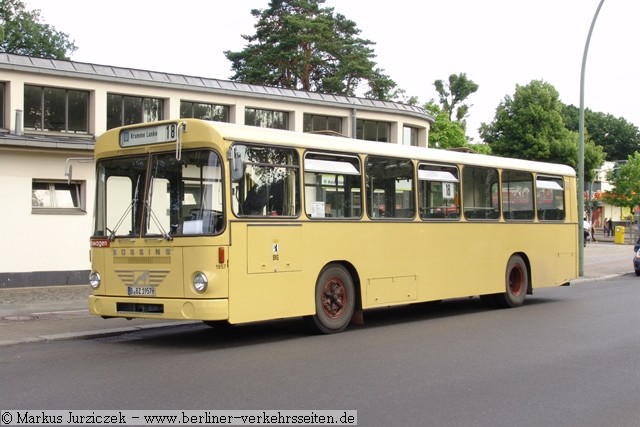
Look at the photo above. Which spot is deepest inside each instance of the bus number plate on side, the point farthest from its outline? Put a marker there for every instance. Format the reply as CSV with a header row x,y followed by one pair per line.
x,y
146,291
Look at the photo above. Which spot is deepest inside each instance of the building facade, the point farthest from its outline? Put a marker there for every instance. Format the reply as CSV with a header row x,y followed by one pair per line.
x,y
52,111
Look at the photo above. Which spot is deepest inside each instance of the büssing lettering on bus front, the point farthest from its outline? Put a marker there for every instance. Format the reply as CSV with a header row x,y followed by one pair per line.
x,y
142,252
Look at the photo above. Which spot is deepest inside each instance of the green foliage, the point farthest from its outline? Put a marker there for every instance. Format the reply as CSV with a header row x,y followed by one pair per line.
x,y
453,94
481,148
626,184
530,126
21,32
616,136
300,45
444,133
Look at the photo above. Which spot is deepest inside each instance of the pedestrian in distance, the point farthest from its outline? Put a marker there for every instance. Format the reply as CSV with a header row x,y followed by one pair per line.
x,y
587,230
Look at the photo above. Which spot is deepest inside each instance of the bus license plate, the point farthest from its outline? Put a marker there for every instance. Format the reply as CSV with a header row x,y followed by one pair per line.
x,y
146,291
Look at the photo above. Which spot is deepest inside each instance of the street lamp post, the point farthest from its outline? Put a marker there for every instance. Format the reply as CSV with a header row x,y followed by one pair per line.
x,y
581,148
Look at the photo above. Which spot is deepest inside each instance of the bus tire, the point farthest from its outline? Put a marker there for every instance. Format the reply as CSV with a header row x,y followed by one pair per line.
x,y
516,283
334,298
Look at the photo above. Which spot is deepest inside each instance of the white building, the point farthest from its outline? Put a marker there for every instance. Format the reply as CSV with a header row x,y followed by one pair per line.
x,y
52,110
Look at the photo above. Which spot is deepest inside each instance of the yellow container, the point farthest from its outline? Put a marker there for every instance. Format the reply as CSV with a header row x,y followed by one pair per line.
x,y
618,237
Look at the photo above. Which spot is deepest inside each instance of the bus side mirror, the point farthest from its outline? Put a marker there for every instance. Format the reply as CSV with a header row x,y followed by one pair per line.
x,y
236,165
68,168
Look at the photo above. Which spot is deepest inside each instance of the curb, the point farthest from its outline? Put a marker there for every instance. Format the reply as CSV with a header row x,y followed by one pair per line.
x,y
91,334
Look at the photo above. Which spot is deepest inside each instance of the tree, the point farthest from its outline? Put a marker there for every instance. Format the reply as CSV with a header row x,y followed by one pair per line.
x,y
444,133
530,126
300,45
454,93
616,136
626,184
22,33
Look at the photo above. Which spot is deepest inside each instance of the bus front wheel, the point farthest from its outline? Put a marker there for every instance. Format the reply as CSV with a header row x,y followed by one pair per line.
x,y
334,299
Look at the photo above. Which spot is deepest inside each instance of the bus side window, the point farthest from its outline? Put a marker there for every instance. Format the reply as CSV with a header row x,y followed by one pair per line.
x,y
390,190
480,193
550,199
269,185
517,195
332,185
438,192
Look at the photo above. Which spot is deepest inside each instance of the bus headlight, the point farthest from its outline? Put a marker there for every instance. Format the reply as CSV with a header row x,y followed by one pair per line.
x,y
200,282
94,279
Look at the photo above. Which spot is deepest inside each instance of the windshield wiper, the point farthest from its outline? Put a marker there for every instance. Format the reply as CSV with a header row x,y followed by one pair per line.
x,y
156,221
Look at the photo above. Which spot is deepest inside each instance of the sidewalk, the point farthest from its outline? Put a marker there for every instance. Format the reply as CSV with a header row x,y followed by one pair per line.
x,y
60,312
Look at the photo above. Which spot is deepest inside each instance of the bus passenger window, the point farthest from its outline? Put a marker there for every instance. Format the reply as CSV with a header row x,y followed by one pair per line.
x,y
480,193
550,198
389,185
517,195
332,186
438,192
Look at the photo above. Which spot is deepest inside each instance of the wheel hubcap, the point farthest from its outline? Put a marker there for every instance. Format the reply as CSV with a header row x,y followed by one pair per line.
x,y
334,298
516,280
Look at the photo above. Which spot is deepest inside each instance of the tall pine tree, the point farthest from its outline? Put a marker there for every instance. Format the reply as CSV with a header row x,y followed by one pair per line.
x,y
298,44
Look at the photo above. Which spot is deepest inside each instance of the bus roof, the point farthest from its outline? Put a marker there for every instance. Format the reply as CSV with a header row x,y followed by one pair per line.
x,y
232,132
310,141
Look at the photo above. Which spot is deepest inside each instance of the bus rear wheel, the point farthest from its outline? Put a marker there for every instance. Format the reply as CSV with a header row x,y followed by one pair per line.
x,y
334,299
516,283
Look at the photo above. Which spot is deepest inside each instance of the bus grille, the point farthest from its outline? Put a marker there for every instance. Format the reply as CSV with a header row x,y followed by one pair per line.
x,y
133,307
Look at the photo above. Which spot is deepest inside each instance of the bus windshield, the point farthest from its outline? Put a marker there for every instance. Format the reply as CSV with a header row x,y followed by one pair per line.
x,y
159,195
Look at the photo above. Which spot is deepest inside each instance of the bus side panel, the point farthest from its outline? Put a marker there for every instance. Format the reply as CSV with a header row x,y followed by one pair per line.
x,y
267,276
274,267
553,254
455,260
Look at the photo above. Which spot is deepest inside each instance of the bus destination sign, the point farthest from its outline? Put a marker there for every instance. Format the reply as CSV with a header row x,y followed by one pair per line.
x,y
157,134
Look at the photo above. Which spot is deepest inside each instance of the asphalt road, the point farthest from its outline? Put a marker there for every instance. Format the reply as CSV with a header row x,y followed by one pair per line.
x,y
568,357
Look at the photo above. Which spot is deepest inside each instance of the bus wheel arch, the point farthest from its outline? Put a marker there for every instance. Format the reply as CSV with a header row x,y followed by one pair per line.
x,y
336,297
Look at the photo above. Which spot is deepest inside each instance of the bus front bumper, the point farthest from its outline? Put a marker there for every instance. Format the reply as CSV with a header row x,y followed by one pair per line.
x,y
159,308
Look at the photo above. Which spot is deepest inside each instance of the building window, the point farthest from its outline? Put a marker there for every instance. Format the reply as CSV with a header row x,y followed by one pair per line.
x,y
56,109
315,123
128,110
410,136
266,118
197,110
57,197
2,108
371,130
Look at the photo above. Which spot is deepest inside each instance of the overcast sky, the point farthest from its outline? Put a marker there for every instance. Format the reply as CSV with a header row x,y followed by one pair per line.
x,y
498,43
